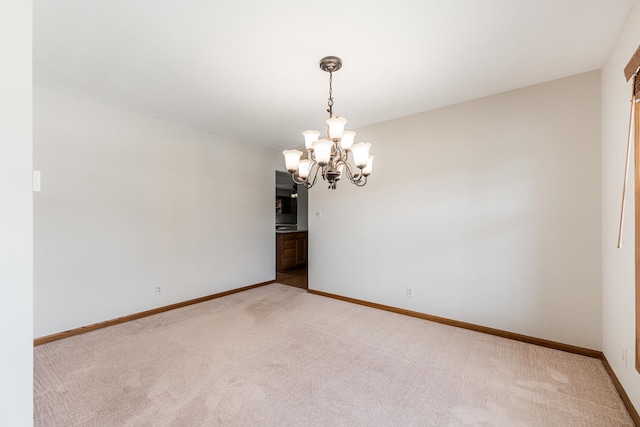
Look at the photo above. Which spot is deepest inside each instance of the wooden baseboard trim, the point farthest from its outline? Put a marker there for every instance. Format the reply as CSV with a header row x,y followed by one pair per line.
x,y
135,316
623,394
504,334
497,332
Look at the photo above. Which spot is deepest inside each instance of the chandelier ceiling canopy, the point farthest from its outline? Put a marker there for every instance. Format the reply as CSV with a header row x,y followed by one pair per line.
x,y
334,156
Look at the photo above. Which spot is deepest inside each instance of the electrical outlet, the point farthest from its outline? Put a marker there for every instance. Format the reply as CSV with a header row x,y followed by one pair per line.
x,y
624,355
409,291
158,290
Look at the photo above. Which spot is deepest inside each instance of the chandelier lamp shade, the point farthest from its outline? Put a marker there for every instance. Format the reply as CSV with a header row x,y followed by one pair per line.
x,y
334,156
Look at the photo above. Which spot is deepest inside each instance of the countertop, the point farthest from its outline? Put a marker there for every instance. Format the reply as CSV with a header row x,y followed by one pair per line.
x,y
290,231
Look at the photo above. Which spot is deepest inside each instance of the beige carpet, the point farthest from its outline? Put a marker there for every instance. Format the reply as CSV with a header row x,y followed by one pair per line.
x,y
277,356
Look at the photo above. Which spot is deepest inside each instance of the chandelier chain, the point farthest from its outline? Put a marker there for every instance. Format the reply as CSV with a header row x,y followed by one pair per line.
x,y
330,103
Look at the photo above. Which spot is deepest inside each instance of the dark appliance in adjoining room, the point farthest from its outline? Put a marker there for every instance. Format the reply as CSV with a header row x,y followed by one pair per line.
x,y
286,202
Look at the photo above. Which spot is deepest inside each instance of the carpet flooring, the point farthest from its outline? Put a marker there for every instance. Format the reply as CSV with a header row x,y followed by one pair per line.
x,y
278,356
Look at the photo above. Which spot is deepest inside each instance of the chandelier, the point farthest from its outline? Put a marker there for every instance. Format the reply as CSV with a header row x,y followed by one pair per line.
x,y
330,156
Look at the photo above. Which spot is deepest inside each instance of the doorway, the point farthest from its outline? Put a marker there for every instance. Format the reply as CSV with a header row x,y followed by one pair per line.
x,y
291,221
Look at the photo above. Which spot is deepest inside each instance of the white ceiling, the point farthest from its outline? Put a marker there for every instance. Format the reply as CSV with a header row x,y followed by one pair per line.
x,y
249,69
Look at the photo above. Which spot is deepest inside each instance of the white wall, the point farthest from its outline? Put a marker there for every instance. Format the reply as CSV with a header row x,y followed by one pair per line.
x,y
618,280
16,215
489,209
129,202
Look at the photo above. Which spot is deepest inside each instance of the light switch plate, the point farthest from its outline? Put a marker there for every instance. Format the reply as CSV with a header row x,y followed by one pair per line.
x,y
36,181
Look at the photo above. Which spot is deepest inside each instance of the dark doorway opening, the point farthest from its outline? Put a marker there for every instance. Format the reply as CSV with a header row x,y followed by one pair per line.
x,y
291,219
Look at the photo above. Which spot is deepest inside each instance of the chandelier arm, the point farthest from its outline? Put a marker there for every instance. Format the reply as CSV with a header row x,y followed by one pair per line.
x,y
308,185
354,178
350,175
361,182
315,174
358,179
297,179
